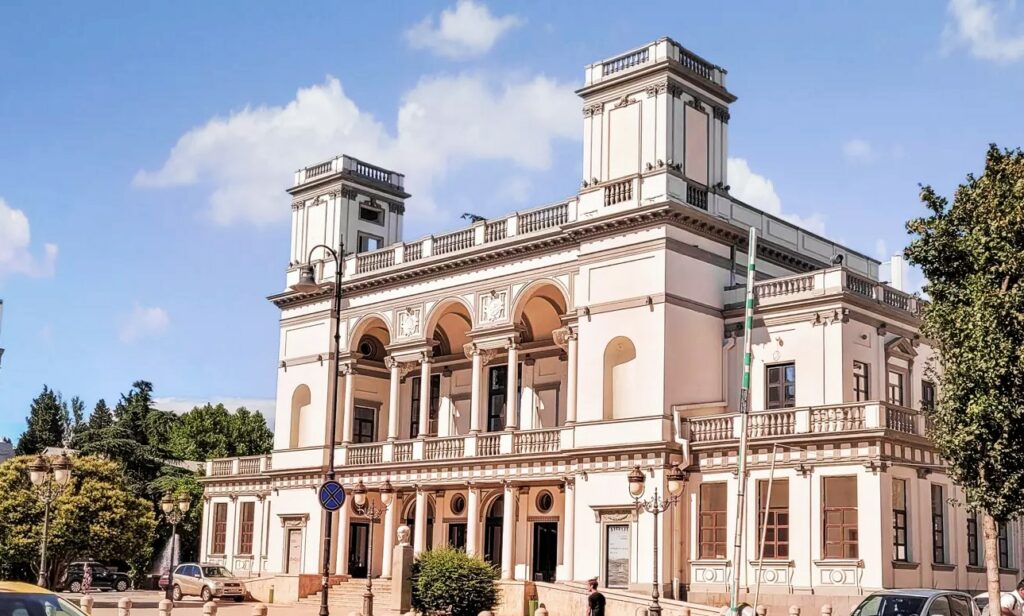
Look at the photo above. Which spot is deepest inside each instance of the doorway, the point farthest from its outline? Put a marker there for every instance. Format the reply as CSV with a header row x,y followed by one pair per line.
x,y
492,531
294,551
545,551
358,552
457,535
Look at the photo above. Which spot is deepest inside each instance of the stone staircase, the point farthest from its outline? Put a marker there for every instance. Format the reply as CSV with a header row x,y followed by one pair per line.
x,y
346,597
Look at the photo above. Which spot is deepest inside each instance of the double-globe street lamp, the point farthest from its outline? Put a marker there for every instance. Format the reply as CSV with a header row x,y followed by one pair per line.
x,y
655,505
308,284
174,511
50,478
365,507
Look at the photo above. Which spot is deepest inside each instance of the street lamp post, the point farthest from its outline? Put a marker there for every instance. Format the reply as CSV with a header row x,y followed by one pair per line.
x,y
366,507
174,511
307,284
655,505
50,479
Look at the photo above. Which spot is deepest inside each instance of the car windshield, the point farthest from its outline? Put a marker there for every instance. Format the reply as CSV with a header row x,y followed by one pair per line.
x,y
212,572
890,605
20,604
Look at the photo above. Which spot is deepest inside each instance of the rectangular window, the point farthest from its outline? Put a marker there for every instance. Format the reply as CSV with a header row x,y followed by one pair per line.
x,y
927,395
775,523
895,388
245,526
839,513
938,525
220,528
368,243
781,386
712,530
371,213
364,424
973,552
1003,546
900,551
435,403
696,158
861,387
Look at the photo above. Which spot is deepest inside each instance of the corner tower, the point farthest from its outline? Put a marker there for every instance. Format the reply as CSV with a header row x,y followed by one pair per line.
x,y
655,125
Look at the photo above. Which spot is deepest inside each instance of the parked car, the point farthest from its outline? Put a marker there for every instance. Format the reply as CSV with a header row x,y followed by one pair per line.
x,y
206,581
103,577
917,602
21,598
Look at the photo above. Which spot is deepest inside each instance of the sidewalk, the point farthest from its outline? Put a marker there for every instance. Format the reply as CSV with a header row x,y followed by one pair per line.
x,y
145,603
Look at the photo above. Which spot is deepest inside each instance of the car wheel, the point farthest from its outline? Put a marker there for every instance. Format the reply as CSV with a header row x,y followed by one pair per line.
x,y
205,594
176,593
75,586
239,599
121,585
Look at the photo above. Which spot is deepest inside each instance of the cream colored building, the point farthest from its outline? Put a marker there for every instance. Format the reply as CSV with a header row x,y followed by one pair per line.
x,y
615,319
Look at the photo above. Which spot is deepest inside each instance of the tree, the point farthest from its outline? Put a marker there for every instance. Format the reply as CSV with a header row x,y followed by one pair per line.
x,y
133,408
250,435
101,416
47,423
972,254
76,422
211,431
95,517
449,580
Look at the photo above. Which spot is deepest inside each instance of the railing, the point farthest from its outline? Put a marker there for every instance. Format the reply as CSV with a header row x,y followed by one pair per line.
x,y
838,418
901,420
538,441
896,299
697,196
784,286
370,453
488,445
372,172
707,430
494,231
318,170
451,242
860,286
692,62
618,192
625,61
545,218
402,452
771,423
375,260
222,467
832,280
249,466
413,252
445,448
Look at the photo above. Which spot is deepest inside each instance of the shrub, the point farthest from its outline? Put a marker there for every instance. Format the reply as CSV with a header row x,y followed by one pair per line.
x,y
450,581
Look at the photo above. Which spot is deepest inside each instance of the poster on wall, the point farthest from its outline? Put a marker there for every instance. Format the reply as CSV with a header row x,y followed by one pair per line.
x,y
617,555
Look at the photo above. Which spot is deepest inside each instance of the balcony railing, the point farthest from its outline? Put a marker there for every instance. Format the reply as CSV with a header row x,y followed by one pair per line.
x,y
242,466
371,453
351,166
453,242
488,445
697,196
618,192
625,61
536,441
445,448
402,452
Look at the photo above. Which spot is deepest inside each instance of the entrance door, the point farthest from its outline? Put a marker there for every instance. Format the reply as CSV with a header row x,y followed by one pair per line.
x,y
358,544
294,551
545,551
457,536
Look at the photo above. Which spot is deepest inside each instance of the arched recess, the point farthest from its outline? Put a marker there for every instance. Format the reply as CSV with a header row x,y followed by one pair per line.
x,y
539,309
409,518
370,338
448,325
301,423
494,521
620,378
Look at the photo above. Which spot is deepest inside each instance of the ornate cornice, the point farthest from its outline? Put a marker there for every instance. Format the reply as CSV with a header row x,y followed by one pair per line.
x,y
593,109
722,114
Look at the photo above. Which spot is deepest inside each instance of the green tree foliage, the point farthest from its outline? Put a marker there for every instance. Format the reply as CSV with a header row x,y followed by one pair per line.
x,y
134,408
96,517
449,580
178,482
47,423
76,422
211,431
101,417
250,435
972,254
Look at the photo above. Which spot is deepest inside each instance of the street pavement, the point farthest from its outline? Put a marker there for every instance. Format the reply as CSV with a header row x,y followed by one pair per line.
x,y
145,603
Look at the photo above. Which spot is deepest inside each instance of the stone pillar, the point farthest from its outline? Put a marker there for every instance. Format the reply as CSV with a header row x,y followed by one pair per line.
x,y
475,397
389,539
424,397
393,401
512,396
164,607
419,543
401,587
472,520
205,531
350,399
342,540
508,525
569,530
570,385
124,607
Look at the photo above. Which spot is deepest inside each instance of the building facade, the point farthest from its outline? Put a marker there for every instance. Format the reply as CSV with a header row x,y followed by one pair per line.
x,y
506,377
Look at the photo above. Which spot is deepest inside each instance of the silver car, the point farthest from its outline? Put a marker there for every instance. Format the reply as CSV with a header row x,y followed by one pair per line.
x,y
206,582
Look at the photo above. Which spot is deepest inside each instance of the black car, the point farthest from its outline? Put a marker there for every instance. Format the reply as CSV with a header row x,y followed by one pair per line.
x,y
102,578
917,602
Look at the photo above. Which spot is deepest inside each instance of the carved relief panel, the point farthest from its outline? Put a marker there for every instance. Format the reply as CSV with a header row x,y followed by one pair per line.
x,y
410,322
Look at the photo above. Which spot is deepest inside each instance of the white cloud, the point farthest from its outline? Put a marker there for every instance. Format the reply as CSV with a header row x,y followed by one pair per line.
x,y
858,151
143,322
443,123
759,191
469,29
15,237
974,26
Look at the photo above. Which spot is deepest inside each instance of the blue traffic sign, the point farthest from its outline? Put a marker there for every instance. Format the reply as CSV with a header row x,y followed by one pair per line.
x,y
332,495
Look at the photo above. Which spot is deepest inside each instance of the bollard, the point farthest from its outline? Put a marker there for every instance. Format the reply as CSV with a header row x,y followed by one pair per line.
x,y
164,607
826,610
259,610
794,610
124,606
270,595
541,610
86,602
209,609
761,610
685,611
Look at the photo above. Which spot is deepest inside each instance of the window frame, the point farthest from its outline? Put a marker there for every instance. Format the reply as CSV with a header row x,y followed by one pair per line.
x,y
246,527
368,206
890,388
784,402
938,518
773,525
897,526
414,405
973,544
358,437
360,236
844,544
1003,547
928,401
861,381
219,529
718,519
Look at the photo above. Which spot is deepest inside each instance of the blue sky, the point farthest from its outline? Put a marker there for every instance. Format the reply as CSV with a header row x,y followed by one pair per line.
x,y
144,147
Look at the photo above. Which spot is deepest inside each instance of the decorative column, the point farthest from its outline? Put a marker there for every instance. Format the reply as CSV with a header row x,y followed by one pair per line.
x,y
419,541
341,556
512,395
350,398
205,532
472,520
566,339
389,539
393,398
475,402
569,530
424,395
508,525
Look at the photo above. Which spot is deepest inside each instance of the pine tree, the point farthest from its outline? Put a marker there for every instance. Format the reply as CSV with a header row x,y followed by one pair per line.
x,y
47,423
101,416
133,409
76,422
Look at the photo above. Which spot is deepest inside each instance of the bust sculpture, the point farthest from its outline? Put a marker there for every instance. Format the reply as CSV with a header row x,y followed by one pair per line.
x,y
403,535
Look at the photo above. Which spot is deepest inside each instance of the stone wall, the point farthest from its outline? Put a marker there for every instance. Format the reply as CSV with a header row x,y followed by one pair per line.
x,y
571,600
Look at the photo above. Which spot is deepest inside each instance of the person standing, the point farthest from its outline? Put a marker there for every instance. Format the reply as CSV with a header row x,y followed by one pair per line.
x,y
595,600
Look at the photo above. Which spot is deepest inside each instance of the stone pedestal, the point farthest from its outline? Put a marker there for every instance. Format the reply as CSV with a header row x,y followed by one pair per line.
x,y
401,578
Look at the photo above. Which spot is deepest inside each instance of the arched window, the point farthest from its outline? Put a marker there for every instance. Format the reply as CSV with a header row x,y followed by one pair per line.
x,y
301,424
620,379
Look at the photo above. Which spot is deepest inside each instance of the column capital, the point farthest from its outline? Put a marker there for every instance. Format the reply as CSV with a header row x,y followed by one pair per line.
x,y
425,357
348,368
472,349
563,335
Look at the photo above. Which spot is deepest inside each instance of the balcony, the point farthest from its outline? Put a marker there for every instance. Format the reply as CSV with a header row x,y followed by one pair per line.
x,y
817,420
352,167
659,51
241,466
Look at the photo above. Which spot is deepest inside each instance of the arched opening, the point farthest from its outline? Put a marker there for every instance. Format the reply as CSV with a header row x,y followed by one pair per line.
x,y
539,311
619,376
449,327
492,531
302,433
409,519
370,338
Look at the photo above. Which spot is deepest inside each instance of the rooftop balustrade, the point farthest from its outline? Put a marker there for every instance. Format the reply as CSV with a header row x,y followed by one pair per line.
x,y
350,166
658,51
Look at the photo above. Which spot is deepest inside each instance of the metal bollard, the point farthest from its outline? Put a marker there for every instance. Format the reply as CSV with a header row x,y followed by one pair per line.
x,y
826,610
270,595
164,607
259,610
761,610
794,610
124,606
86,602
209,609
